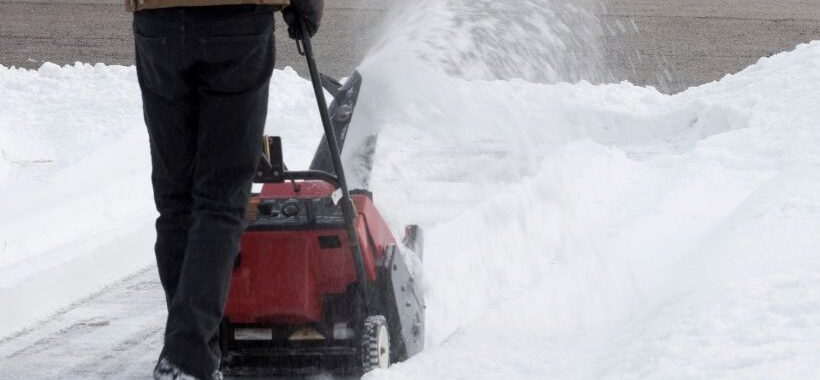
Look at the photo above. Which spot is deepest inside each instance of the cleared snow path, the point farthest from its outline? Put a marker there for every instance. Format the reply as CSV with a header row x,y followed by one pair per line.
x,y
111,335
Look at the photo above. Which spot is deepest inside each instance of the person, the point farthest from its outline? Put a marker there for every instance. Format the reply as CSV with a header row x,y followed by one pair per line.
x,y
204,69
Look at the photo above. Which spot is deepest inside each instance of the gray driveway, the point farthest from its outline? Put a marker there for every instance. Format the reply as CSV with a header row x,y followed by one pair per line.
x,y
681,43
671,44
65,31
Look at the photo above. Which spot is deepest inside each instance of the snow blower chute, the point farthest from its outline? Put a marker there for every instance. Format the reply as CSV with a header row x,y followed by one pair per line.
x,y
320,284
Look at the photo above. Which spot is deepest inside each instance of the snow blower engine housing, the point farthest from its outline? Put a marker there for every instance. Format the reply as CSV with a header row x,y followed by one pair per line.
x,y
320,284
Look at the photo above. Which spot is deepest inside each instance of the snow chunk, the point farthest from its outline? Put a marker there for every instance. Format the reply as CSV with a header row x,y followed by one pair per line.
x,y
50,70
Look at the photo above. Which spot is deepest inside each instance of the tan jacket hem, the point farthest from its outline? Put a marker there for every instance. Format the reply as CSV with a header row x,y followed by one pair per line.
x,y
138,5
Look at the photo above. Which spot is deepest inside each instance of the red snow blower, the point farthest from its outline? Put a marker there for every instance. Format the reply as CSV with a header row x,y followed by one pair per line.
x,y
320,284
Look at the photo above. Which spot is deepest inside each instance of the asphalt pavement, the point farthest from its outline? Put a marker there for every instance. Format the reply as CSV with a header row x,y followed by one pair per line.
x,y
671,44
675,44
67,31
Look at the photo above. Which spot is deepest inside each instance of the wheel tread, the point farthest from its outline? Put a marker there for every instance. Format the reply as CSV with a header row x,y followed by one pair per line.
x,y
370,342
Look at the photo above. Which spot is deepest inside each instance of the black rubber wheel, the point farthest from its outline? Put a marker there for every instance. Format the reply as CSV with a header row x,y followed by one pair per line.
x,y
375,343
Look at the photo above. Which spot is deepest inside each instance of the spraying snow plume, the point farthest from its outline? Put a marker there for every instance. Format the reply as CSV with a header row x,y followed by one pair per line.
x,y
534,40
435,58
454,91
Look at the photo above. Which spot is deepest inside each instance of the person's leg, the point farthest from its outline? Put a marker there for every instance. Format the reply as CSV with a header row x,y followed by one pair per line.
x,y
172,119
233,74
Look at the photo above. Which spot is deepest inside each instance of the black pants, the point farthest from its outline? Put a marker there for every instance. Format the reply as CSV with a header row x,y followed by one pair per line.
x,y
204,74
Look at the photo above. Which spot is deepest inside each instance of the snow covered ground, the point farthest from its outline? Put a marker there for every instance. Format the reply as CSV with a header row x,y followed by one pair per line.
x,y
612,232
573,231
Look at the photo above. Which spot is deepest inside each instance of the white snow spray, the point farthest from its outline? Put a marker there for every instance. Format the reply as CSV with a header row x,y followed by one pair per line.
x,y
535,40
426,45
455,91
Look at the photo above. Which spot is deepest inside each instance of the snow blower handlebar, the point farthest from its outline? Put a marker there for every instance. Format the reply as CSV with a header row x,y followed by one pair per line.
x,y
348,209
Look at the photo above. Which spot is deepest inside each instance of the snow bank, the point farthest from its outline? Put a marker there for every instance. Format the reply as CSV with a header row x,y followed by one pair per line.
x,y
72,140
75,180
577,231
584,232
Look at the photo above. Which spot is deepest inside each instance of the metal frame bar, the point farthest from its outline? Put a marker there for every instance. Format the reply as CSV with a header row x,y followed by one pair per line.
x,y
348,209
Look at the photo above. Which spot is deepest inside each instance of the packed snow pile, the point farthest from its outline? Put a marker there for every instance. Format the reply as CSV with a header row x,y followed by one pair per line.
x,y
573,231
594,232
75,180
580,231
75,198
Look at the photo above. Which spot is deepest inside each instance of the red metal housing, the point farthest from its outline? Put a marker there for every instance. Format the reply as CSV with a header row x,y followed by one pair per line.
x,y
281,275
